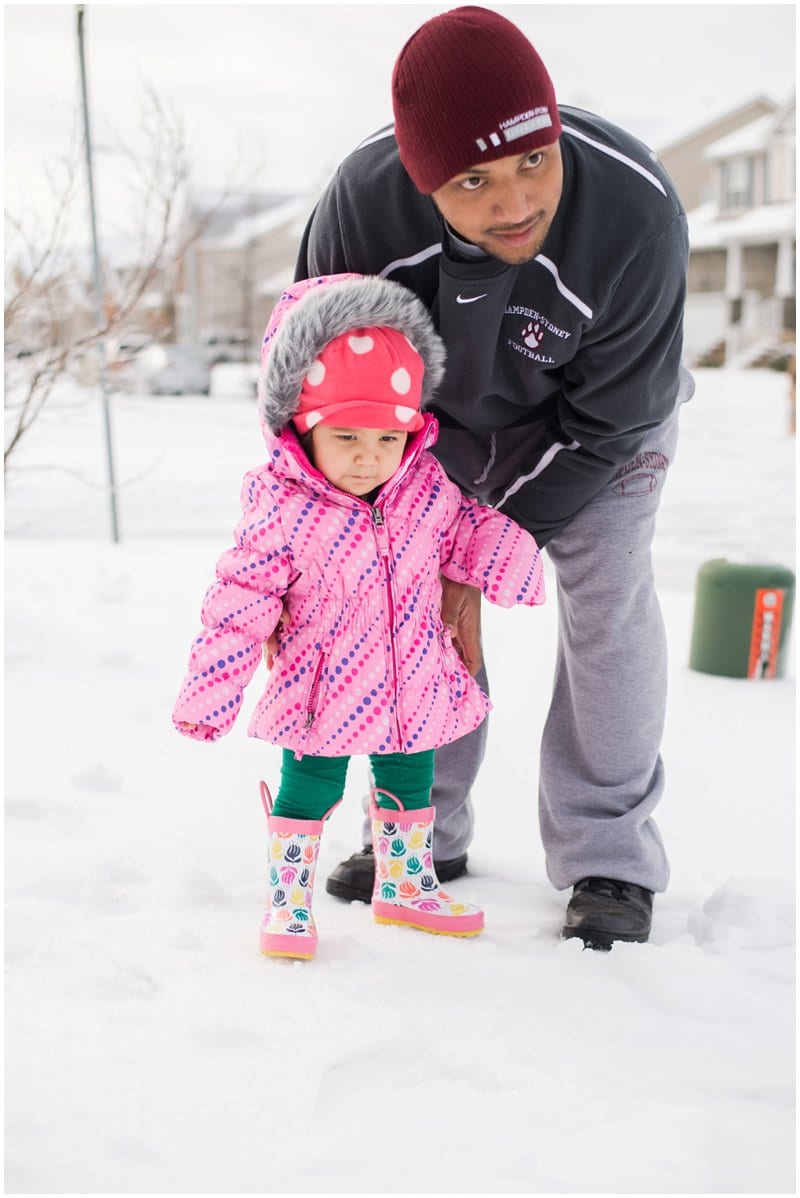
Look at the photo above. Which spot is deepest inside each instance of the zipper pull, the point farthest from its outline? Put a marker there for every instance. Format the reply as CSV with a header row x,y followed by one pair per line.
x,y
380,532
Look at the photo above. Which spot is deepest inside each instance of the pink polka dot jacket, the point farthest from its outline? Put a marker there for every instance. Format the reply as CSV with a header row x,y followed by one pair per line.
x,y
365,664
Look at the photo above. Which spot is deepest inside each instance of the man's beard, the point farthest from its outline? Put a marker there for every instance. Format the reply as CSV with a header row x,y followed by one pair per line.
x,y
511,256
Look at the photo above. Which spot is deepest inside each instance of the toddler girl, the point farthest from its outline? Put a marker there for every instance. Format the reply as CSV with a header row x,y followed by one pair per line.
x,y
344,534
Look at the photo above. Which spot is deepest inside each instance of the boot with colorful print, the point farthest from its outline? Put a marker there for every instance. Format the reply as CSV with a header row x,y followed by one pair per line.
x,y
407,890
288,928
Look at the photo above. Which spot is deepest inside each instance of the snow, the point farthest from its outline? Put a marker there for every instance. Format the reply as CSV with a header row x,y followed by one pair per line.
x,y
151,1048
766,223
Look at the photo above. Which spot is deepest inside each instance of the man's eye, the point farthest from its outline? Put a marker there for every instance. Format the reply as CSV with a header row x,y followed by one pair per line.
x,y
535,158
472,183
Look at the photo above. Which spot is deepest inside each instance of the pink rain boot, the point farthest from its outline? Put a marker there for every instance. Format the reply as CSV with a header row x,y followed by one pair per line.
x,y
288,928
407,890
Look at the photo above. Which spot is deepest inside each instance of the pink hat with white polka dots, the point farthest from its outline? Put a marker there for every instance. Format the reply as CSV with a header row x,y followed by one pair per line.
x,y
370,378
352,350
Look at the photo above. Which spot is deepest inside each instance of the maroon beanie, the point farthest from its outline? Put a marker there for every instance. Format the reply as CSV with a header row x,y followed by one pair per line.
x,y
468,87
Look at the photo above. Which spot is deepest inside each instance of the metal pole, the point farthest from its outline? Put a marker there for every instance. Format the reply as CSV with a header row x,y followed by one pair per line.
x,y
98,287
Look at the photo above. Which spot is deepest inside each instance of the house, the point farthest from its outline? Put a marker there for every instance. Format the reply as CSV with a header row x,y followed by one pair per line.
x,y
234,271
682,153
741,301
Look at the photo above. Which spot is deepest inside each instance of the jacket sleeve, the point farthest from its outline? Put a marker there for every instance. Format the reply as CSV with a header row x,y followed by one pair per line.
x,y
485,549
624,381
240,611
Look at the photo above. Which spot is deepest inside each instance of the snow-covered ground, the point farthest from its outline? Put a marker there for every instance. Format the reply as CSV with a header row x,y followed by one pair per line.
x,y
150,1048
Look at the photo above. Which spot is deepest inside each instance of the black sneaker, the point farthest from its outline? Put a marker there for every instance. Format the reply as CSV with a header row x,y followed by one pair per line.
x,y
603,910
355,877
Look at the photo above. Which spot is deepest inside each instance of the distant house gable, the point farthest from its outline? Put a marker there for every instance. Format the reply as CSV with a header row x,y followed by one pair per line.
x,y
219,212
781,155
248,240
241,219
755,165
682,153
739,167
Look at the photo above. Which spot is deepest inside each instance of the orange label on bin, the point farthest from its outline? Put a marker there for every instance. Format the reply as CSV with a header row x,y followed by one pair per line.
x,y
765,636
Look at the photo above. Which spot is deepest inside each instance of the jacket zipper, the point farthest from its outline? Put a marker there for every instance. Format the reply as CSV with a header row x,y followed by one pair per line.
x,y
313,693
383,548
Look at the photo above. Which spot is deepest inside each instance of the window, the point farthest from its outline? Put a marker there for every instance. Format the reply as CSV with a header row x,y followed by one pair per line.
x,y
737,184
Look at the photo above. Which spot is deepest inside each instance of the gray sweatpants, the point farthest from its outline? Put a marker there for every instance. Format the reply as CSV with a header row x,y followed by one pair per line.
x,y
601,773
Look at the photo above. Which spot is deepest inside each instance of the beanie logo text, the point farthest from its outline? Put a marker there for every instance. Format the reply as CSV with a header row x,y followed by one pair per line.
x,y
517,126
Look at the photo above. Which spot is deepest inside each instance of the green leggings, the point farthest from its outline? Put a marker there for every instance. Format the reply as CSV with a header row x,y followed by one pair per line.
x,y
311,786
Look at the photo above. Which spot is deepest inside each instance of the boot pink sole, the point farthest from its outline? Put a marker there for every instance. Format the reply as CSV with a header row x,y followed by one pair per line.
x,y
439,925
287,946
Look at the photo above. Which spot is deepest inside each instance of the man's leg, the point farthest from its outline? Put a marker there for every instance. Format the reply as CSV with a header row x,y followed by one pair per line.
x,y
601,771
455,769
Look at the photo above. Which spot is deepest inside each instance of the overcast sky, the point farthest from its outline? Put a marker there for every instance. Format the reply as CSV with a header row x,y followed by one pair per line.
x,y
301,84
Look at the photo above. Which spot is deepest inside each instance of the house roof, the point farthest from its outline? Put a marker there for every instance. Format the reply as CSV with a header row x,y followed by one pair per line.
x,y
784,119
687,129
222,212
755,136
760,226
253,223
750,139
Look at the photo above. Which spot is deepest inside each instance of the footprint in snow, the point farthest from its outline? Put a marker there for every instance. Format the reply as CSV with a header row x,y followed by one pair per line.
x,y
98,777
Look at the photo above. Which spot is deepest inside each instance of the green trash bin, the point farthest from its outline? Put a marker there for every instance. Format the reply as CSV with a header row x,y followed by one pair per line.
x,y
742,619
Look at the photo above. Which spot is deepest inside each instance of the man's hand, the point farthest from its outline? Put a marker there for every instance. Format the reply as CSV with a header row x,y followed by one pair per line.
x,y
272,644
461,613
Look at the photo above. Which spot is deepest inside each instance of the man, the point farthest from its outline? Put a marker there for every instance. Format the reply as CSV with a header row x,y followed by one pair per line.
x,y
551,248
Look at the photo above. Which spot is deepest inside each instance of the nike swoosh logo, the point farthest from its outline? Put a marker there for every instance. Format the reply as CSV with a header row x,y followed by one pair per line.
x,y
471,300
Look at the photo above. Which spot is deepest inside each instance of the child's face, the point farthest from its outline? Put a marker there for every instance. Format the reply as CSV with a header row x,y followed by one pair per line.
x,y
356,460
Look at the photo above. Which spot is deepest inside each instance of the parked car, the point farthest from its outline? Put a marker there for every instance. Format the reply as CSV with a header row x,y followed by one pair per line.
x,y
171,370
122,355
224,347
125,348
15,349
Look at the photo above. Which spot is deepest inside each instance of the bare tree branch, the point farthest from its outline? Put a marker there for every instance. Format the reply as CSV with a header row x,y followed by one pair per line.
x,y
48,278
38,257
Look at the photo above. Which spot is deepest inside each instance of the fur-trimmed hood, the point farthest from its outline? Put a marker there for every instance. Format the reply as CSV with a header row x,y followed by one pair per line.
x,y
313,312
